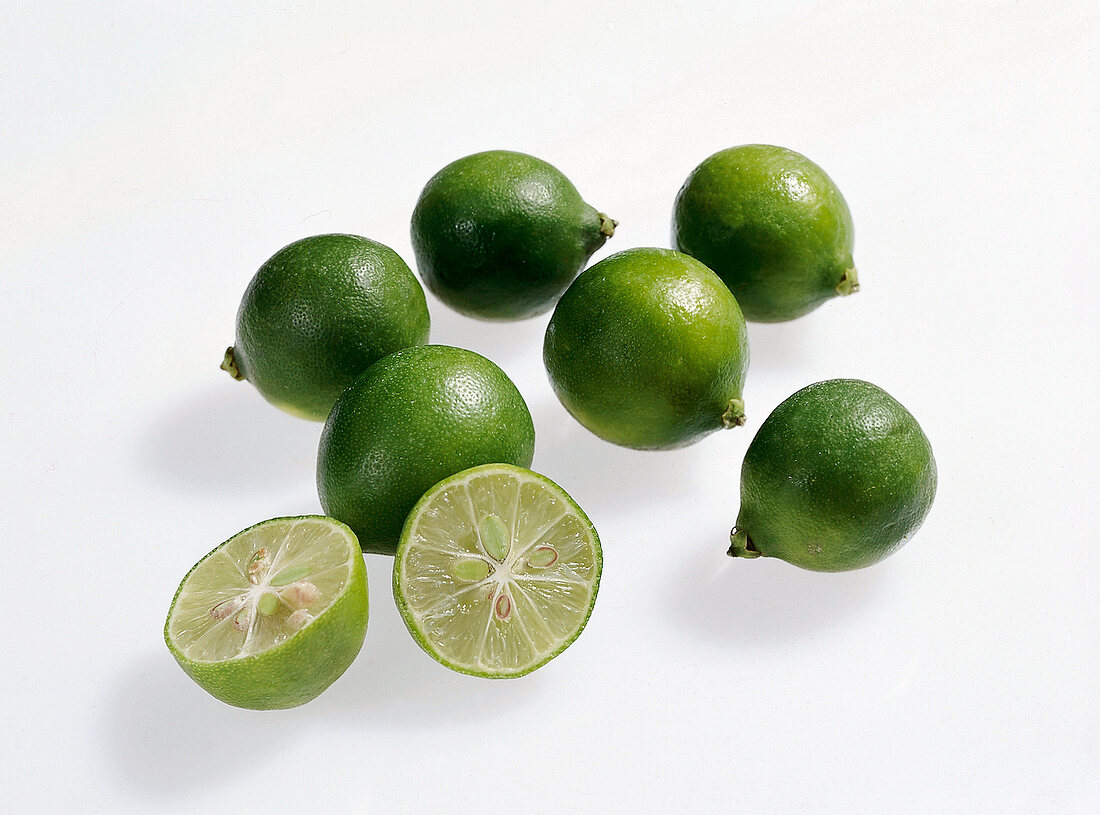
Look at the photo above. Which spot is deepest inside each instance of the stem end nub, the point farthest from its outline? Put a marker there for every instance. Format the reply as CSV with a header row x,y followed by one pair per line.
x,y
607,225
740,545
229,364
734,414
849,282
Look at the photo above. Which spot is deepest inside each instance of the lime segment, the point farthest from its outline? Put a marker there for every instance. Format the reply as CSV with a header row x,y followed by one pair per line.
x,y
497,571
274,615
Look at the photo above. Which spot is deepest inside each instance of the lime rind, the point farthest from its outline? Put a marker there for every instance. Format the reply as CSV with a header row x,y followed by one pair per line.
x,y
286,636
516,613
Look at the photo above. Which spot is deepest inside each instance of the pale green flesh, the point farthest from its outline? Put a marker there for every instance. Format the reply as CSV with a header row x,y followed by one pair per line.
x,y
499,572
223,613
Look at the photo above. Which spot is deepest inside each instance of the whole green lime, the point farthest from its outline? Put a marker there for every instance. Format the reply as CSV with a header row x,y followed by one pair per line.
x,y
499,235
648,349
412,419
772,225
839,476
317,314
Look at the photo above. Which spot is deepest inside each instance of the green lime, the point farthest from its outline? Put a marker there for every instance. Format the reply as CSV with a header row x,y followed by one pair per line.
x,y
839,476
647,349
773,226
274,615
412,419
499,235
317,314
497,571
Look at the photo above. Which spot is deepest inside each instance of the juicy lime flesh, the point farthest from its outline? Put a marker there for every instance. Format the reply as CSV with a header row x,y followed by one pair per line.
x,y
499,235
772,225
411,420
260,588
648,349
497,571
838,477
274,615
318,313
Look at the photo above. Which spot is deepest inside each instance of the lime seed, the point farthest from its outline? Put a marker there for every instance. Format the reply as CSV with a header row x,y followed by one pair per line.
x,y
301,594
471,570
543,557
494,537
268,604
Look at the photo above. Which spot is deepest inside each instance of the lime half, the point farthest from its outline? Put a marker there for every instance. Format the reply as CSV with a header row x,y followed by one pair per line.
x,y
274,615
497,571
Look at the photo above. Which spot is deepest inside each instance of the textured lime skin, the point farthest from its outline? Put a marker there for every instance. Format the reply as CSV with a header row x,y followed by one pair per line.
x,y
648,349
412,419
839,476
318,313
772,225
499,235
399,562
296,670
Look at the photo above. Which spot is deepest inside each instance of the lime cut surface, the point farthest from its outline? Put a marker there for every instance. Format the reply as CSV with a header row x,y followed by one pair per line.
x,y
497,571
274,615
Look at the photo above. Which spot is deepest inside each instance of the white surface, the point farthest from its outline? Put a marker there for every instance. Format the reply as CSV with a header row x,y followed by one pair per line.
x,y
151,162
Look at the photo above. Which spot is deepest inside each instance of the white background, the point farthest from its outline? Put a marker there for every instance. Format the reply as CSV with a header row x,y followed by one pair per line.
x,y
152,159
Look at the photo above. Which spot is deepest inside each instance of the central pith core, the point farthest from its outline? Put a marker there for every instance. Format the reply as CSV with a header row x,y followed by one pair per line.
x,y
495,566
268,593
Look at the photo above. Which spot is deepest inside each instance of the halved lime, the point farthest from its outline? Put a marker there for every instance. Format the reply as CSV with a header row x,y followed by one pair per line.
x,y
497,571
274,615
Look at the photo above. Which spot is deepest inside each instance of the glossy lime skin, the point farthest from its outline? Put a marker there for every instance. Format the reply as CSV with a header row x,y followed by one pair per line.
x,y
772,225
412,419
648,349
296,670
318,313
499,235
839,476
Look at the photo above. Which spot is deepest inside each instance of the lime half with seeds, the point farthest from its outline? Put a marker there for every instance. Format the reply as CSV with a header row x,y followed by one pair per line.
x,y
274,615
497,571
